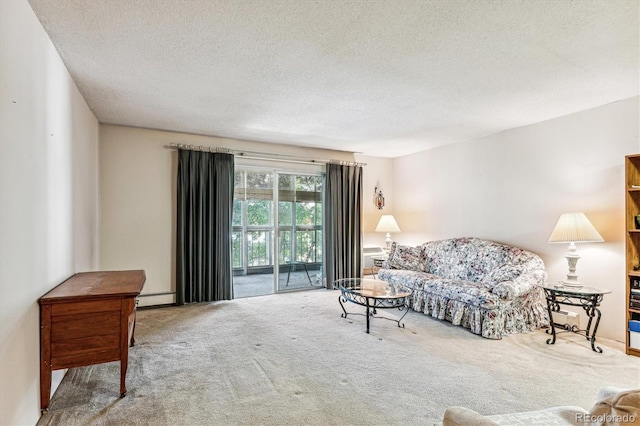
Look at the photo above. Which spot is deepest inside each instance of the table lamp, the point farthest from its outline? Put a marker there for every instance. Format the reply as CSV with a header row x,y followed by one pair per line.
x,y
574,228
387,224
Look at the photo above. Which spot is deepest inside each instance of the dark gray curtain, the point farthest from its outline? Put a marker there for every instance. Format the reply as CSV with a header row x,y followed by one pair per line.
x,y
342,222
203,235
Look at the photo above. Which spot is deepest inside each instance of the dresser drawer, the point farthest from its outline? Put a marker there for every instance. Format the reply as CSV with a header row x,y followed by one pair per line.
x,y
71,308
68,327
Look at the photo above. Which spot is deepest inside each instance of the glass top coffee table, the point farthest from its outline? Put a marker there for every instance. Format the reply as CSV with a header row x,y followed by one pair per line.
x,y
374,295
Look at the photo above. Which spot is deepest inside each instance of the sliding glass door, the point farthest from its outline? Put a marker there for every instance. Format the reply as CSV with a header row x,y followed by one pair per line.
x,y
300,231
253,218
277,234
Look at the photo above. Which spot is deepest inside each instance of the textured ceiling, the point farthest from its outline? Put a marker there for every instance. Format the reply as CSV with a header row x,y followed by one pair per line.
x,y
384,78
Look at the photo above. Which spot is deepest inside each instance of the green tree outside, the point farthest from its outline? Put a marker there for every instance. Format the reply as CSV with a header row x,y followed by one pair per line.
x,y
299,195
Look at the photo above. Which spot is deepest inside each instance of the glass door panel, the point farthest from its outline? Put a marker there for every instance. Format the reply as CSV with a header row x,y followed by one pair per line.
x,y
282,228
253,234
300,219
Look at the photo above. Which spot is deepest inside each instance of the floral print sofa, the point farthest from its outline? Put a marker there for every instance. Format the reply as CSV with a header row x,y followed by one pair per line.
x,y
490,288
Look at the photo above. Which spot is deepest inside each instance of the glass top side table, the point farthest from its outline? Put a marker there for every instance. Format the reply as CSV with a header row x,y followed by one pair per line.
x,y
588,298
378,262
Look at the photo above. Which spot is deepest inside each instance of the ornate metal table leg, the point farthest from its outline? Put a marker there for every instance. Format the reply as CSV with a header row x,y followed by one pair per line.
x,y
595,328
368,314
551,302
589,305
342,306
406,310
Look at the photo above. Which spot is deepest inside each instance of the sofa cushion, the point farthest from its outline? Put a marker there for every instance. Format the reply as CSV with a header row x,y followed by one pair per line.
x,y
468,258
473,259
485,293
413,280
392,250
406,257
470,293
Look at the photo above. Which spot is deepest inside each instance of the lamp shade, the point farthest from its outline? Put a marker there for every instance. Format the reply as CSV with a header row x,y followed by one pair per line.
x,y
387,223
574,228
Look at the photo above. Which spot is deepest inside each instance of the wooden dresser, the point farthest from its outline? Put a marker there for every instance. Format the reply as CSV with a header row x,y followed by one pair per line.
x,y
88,319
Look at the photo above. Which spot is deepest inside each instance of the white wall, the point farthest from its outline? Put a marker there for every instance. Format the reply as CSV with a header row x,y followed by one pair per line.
x,y
48,192
377,173
137,198
512,187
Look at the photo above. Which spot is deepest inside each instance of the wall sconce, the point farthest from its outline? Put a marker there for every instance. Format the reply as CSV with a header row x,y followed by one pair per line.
x,y
378,199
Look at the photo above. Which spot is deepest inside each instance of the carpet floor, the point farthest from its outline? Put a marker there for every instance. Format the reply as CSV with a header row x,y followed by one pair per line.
x,y
290,359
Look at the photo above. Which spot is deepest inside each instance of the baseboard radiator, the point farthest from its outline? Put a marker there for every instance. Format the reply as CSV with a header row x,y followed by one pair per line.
x,y
367,261
157,300
566,317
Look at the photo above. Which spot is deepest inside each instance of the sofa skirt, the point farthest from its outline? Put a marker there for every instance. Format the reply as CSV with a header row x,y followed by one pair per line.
x,y
507,319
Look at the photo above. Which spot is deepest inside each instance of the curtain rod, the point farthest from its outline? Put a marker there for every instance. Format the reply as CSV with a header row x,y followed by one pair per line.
x,y
199,148
251,155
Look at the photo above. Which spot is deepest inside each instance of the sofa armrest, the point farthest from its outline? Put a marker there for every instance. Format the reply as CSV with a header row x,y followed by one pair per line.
x,y
461,416
519,286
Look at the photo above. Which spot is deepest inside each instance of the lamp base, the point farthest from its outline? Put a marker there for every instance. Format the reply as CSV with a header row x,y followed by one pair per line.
x,y
572,259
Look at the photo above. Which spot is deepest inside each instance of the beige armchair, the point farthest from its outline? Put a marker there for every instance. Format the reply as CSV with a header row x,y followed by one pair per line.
x,y
613,407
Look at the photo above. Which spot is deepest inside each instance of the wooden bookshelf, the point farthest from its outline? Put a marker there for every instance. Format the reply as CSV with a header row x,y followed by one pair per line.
x,y
632,243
